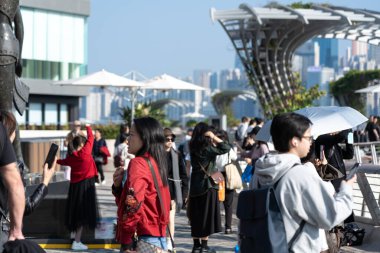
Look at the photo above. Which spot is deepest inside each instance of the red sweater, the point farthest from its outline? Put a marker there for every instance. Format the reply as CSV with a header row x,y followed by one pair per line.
x,y
139,209
81,162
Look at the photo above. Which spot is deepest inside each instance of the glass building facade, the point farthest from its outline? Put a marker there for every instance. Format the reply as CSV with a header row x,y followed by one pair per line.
x,y
54,48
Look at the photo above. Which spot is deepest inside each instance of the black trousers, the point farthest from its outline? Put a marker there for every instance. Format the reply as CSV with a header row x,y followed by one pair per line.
x,y
227,203
229,199
99,166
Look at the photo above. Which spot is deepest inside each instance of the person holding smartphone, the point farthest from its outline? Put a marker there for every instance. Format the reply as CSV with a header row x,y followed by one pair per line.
x,y
8,120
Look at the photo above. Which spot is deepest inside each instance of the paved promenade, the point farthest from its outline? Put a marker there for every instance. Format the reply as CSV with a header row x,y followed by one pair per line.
x,y
220,242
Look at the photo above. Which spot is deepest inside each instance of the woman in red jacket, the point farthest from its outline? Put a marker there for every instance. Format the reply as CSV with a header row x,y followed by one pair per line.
x,y
81,209
139,208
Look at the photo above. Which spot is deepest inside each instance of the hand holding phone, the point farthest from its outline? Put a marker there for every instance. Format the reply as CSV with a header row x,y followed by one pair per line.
x,y
51,155
353,171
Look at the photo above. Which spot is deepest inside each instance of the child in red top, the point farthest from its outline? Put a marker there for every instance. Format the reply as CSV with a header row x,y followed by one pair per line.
x,y
81,208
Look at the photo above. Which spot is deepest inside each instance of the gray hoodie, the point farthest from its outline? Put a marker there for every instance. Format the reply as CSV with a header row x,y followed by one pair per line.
x,y
303,195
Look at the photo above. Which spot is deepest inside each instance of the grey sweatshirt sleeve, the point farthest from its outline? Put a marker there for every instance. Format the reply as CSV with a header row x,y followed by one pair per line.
x,y
317,203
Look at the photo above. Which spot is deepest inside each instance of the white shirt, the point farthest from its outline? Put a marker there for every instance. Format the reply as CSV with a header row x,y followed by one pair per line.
x,y
222,160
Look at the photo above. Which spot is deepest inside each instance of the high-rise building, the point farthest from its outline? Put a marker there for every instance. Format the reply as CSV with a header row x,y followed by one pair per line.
x,y
303,58
374,53
328,53
321,76
54,48
201,77
214,85
359,48
348,55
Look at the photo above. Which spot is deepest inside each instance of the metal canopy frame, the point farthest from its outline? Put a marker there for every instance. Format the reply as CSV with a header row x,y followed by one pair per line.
x,y
266,38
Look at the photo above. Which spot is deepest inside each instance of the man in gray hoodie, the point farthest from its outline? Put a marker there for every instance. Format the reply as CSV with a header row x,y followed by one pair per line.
x,y
301,193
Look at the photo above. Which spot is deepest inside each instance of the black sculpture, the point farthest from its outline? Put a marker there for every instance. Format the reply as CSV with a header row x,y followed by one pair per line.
x,y
13,91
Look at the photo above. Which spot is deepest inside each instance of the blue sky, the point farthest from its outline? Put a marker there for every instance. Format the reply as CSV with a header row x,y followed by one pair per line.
x,y
167,36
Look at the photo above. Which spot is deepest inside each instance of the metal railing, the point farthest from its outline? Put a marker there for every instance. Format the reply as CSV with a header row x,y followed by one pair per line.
x,y
368,181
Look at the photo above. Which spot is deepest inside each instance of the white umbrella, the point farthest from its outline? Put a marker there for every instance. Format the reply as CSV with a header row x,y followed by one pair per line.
x,y
369,89
325,119
105,79
101,78
167,82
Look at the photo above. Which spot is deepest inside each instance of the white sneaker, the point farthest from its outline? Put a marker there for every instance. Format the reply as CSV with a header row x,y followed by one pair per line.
x,y
78,246
103,182
96,184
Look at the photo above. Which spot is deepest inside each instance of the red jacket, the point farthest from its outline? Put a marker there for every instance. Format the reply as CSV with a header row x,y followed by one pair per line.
x,y
139,208
81,162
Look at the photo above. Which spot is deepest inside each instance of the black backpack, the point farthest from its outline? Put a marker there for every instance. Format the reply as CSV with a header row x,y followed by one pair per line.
x,y
262,228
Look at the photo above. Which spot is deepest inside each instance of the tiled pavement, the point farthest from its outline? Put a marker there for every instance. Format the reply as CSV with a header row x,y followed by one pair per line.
x,y
220,242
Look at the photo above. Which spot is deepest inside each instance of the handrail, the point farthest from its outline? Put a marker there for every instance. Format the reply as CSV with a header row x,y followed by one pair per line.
x,y
362,180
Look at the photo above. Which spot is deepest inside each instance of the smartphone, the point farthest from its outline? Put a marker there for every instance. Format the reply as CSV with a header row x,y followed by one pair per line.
x,y
350,138
353,171
51,155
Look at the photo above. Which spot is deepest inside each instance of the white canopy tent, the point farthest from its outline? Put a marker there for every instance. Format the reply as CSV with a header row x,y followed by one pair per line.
x,y
167,82
104,79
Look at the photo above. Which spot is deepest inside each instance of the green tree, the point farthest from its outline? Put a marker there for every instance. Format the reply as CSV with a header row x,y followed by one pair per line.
x,y
299,98
144,110
344,88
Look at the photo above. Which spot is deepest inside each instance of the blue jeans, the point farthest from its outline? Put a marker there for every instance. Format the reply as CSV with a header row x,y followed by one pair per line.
x,y
157,241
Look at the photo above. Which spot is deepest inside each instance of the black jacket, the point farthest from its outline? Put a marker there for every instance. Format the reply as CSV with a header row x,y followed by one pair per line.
x,y
35,199
335,153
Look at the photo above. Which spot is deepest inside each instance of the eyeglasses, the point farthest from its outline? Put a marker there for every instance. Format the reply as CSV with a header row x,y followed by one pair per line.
x,y
169,139
309,138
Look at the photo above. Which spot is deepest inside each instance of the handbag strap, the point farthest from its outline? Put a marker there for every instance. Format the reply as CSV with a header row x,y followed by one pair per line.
x,y
159,197
204,170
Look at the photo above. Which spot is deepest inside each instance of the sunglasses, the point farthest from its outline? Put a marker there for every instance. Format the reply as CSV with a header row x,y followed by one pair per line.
x,y
169,139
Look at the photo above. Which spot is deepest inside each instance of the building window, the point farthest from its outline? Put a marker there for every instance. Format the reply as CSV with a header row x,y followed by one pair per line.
x,y
35,114
51,114
46,70
64,114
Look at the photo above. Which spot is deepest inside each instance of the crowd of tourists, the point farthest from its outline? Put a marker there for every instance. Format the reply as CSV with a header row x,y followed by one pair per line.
x,y
154,179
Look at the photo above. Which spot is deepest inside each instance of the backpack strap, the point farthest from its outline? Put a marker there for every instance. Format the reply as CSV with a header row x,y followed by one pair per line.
x,y
296,234
302,224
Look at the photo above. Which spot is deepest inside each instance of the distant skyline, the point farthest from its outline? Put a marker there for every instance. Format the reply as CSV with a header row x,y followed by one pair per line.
x,y
167,36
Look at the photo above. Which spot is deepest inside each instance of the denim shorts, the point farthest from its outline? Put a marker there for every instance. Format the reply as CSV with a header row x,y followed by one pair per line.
x,y
157,241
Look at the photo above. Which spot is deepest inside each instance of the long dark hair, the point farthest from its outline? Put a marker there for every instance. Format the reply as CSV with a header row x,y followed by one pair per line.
x,y
198,140
9,122
153,139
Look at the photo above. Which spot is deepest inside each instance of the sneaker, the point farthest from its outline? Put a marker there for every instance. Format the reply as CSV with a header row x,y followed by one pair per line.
x,y
103,182
78,246
97,184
